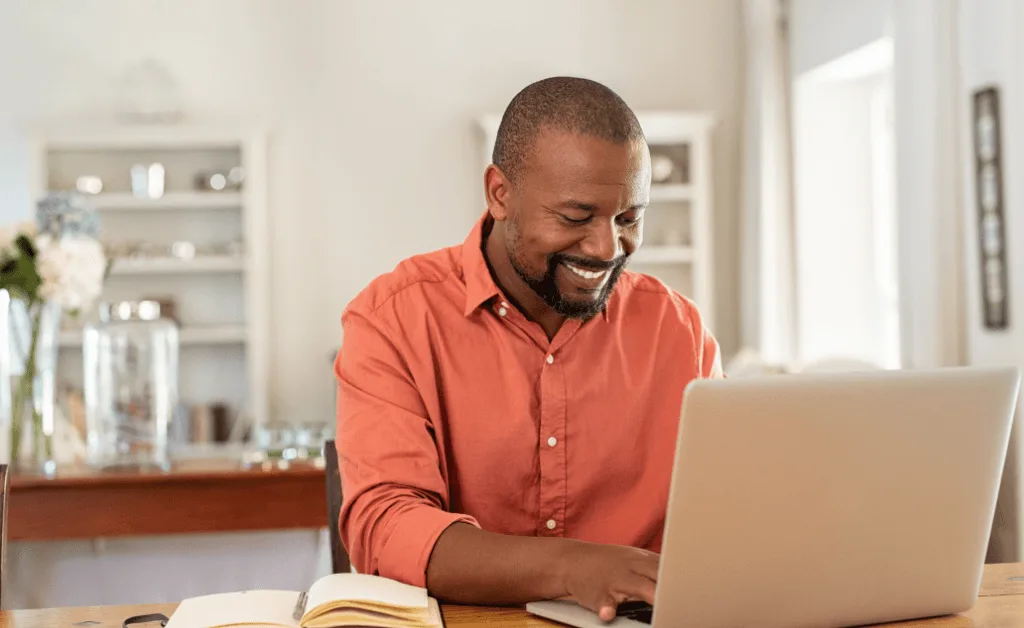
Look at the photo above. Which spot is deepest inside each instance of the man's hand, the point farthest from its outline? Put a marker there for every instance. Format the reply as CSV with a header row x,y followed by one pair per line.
x,y
600,577
471,566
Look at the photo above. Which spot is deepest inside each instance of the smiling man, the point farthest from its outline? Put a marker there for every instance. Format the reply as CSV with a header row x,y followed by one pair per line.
x,y
508,407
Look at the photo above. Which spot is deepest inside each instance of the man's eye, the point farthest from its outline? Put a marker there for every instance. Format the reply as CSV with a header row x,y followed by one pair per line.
x,y
576,221
629,219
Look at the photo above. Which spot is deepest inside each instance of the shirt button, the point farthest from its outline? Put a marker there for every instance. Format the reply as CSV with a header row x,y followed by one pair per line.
x,y
552,441
550,359
502,312
552,524
503,304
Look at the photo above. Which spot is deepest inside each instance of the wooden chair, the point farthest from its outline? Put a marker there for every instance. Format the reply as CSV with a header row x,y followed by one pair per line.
x,y
339,557
3,527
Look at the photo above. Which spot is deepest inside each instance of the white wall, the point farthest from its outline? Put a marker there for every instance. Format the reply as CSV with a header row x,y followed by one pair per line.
x,y
373,155
926,95
824,30
991,50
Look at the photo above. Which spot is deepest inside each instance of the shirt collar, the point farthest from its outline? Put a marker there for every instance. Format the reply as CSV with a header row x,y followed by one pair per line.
x,y
480,286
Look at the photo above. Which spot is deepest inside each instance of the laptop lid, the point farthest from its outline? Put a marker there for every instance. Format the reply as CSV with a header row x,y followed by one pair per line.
x,y
833,500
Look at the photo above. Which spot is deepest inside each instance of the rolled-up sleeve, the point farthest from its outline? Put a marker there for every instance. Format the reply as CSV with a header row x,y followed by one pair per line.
x,y
395,500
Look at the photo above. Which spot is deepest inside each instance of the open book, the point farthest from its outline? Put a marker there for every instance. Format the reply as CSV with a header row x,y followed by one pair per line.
x,y
344,599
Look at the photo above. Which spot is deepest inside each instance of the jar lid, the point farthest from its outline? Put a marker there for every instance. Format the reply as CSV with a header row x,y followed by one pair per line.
x,y
130,311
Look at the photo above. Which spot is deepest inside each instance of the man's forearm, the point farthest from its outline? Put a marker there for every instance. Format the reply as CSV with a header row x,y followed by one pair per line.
x,y
471,566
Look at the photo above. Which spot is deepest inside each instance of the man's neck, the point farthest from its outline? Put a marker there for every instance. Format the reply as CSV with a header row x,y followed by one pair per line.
x,y
529,302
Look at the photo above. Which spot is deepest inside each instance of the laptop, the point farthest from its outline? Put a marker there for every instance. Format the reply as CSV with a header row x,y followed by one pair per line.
x,y
827,500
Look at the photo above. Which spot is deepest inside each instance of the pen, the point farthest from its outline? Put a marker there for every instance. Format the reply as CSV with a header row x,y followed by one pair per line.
x,y
300,606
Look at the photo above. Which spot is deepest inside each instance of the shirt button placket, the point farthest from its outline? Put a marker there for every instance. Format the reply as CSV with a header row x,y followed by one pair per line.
x,y
552,457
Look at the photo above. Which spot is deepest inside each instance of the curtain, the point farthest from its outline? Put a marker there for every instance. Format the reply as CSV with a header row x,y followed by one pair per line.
x,y
768,290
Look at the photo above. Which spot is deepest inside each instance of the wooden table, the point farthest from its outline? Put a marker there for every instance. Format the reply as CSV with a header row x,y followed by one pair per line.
x,y
194,496
1000,605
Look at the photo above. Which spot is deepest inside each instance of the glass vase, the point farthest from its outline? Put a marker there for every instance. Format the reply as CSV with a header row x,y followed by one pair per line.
x,y
33,334
131,385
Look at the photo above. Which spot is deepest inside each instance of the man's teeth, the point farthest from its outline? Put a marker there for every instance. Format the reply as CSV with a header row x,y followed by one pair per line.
x,y
586,274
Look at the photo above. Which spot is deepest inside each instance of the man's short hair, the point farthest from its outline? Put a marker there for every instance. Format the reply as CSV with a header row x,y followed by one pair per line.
x,y
562,103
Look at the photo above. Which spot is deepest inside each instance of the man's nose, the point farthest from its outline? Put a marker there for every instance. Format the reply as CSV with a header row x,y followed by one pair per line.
x,y
604,242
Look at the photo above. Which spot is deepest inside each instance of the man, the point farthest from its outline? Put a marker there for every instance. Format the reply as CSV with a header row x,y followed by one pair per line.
x,y
508,407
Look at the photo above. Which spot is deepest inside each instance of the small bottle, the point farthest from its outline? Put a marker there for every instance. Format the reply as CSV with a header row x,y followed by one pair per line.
x,y
155,182
140,181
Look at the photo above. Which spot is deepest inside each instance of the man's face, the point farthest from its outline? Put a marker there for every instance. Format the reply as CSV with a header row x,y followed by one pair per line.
x,y
575,216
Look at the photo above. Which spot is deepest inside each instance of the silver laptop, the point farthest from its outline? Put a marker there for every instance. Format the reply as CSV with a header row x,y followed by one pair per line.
x,y
828,500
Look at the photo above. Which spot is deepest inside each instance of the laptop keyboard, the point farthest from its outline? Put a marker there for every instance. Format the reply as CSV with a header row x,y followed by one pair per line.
x,y
637,611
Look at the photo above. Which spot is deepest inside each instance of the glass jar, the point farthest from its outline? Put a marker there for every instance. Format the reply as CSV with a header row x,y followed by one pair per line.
x,y
130,359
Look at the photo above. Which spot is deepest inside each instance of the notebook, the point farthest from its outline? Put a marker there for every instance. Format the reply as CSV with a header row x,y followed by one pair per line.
x,y
334,601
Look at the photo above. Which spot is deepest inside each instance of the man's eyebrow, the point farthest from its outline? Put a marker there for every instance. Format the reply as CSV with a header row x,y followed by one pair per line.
x,y
574,204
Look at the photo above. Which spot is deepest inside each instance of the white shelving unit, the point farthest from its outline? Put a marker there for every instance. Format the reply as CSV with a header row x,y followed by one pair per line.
x,y
222,300
173,201
173,265
206,335
678,238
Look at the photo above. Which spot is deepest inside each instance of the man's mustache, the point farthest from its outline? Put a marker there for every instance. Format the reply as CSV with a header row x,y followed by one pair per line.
x,y
587,263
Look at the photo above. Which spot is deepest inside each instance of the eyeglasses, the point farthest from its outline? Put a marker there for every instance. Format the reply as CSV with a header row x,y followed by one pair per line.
x,y
145,619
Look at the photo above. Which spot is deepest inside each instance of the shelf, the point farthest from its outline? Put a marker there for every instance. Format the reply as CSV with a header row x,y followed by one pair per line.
x,y
667,192
119,201
172,265
663,255
208,335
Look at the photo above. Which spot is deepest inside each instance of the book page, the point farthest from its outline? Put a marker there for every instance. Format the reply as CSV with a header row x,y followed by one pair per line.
x,y
268,608
354,586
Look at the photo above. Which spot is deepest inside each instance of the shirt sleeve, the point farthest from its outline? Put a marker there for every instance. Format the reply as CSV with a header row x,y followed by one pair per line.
x,y
394,497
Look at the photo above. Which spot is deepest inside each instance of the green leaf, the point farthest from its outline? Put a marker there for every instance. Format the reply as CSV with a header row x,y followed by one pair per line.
x,y
25,246
21,278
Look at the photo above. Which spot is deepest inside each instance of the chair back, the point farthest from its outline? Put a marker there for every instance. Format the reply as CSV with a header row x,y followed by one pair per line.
x,y
339,557
3,527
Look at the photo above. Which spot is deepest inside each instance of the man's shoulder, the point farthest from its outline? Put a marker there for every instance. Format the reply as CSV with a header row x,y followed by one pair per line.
x,y
651,294
426,269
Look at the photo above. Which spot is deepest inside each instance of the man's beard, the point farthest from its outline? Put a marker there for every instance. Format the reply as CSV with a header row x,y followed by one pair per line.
x,y
546,285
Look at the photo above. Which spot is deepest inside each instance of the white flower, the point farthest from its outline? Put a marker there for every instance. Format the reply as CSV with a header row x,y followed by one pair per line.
x,y
8,234
28,228
71,270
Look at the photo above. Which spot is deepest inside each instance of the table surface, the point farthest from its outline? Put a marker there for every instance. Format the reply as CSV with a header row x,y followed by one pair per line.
x,y
195,496
181,471
1000,605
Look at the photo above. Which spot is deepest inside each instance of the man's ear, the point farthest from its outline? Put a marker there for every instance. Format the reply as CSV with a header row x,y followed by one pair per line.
x,y
497,190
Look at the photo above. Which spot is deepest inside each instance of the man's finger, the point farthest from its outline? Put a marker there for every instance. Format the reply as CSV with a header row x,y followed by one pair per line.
x,y
607,607
640,587
647,568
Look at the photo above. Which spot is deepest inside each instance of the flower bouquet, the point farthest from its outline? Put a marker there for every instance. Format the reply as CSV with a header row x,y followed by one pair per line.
x,y
49,267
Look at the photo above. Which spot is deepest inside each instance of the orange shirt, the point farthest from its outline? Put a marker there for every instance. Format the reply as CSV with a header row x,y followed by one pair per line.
x,y
453,406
